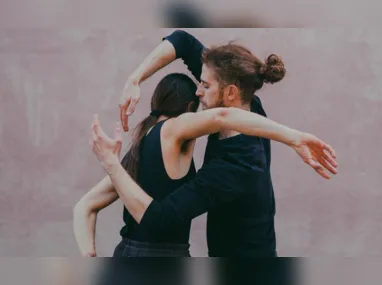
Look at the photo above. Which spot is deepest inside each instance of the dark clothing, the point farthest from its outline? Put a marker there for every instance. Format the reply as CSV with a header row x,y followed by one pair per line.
x,y
189,49
153,178
132,248
246,219
234,185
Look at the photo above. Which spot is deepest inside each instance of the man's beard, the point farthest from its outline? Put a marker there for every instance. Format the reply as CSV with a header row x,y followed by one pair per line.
x,y
219,103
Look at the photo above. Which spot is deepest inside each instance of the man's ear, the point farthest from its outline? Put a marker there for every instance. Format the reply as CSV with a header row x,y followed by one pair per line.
x,y
232,92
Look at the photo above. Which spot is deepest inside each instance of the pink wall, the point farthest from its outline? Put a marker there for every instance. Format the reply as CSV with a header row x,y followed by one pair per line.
x,y
52,81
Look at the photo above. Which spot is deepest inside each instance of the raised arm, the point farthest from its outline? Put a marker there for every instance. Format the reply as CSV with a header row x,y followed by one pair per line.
x,y
85,214
179,44
189,49
193,125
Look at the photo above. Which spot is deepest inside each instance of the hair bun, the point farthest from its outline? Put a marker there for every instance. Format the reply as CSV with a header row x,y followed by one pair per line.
x,y
273,69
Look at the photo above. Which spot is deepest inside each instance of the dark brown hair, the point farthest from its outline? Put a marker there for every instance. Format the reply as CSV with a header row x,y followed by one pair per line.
x,y
174,95
235,64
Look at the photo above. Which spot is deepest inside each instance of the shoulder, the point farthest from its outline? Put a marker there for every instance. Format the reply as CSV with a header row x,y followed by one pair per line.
x,y
257,106
172,128
166,128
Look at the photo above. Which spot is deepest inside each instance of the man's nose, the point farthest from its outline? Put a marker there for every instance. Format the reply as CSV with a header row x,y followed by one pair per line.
x,y
199,92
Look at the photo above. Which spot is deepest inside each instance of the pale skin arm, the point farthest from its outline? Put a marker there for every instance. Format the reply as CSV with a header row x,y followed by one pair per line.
x,y
107,151
85,214
193,125
160,57
308,147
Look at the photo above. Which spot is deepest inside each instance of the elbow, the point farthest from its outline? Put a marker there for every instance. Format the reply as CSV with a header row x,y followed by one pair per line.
x,y
181,40
83,208
79,209
180,32
180,37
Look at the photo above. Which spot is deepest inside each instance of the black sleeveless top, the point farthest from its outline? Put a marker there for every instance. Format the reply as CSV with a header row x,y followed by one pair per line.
x,y
153,179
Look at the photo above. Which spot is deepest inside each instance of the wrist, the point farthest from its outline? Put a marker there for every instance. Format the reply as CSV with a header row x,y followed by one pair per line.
x,y
294,138
134,80
111,164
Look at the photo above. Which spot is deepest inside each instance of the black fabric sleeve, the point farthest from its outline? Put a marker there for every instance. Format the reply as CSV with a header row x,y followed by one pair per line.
x,y
218,182
189,49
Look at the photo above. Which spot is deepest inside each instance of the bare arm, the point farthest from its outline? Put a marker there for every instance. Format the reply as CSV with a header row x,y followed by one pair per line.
x,y
179,44
161,56
108,151
132,196
157,59
85,214
193,125
309,148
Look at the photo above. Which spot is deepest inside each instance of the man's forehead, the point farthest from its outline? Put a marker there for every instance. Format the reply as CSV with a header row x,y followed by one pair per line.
x,y
207,74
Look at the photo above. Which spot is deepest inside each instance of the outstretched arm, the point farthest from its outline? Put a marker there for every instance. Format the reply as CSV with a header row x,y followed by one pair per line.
x,y
193,125
85,214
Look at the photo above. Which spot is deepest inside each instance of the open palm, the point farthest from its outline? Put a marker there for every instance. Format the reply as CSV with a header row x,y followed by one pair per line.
x,y
317,154
106,149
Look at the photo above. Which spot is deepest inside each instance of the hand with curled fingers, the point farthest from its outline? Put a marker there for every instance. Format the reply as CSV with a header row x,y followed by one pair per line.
x,y
105,148
317,154
130,97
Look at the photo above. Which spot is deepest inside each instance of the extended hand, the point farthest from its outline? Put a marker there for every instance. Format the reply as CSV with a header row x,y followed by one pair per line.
x,y
106,149
317,154
130,97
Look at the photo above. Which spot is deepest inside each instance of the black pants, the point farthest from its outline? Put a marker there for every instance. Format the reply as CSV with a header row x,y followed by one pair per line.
x,y
122,271
131,248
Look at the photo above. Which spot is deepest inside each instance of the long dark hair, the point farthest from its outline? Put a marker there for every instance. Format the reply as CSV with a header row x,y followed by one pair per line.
x,y
174,95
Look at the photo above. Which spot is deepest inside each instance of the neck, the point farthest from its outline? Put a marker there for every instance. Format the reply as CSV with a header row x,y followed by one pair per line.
x,y
246,107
